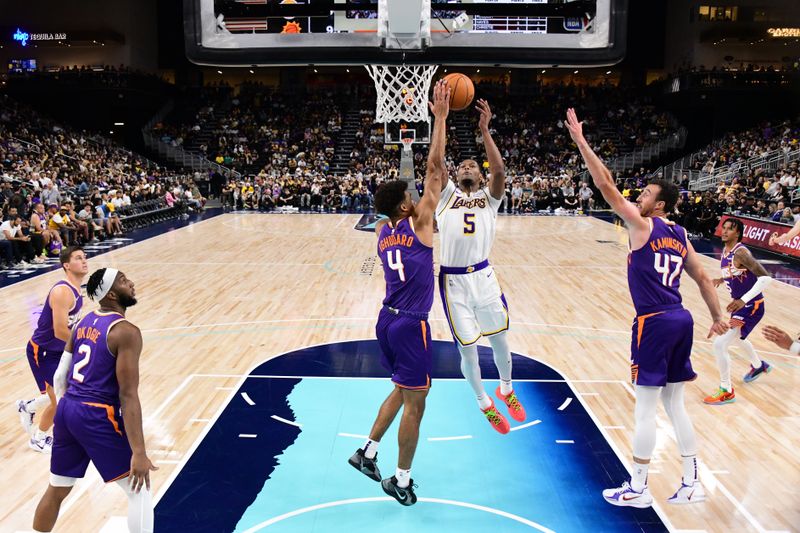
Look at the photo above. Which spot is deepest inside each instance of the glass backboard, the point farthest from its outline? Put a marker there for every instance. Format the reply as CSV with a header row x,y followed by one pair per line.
x,y
463,32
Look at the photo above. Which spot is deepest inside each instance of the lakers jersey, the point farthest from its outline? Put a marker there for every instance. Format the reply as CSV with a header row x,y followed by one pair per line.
x,y
467,224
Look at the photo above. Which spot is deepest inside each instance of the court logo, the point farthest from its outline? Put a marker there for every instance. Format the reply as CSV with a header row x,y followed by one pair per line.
x,y
367,222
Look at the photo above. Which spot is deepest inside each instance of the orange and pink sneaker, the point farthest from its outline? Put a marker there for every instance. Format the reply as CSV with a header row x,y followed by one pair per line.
x,y
498,421
515,408
722,396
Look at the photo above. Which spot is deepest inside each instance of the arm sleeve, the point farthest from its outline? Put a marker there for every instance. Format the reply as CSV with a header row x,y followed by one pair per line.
x,y
756,289
60,377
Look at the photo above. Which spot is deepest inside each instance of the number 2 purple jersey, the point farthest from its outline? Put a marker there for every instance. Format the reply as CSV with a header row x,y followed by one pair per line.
x,y
407,268
654,270
93,376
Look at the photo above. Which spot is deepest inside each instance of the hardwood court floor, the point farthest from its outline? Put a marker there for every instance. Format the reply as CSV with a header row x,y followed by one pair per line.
x,y
223,295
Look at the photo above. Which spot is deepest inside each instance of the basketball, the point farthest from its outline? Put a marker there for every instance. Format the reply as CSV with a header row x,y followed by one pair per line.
x,y
461,90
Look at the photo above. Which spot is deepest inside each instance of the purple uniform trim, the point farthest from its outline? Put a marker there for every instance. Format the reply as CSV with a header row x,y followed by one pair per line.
x,y
402,329
661,343
84,432
661,347
739,281
89,425
44,349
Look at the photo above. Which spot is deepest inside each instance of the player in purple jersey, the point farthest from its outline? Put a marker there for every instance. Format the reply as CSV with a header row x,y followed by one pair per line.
x,y
93,392
745,278
61,311
661,342
405,247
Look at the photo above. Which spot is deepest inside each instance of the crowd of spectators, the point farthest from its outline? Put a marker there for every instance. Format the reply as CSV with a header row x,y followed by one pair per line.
x,y
766,194
735,148
285,144
253,128
59,186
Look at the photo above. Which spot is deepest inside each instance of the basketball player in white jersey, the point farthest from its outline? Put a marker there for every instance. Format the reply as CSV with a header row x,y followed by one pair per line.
x,y
473,302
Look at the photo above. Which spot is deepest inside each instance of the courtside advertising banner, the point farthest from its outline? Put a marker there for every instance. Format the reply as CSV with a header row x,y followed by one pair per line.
x,y
757,233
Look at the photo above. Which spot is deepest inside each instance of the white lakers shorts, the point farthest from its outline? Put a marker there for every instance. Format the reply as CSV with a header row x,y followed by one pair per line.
x,y
473,303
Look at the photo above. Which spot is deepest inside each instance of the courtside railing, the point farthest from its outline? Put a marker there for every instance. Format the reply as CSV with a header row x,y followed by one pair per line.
x,y
176,154
770,161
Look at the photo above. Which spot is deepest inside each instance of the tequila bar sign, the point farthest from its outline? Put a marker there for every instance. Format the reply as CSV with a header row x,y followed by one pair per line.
x,y
23,37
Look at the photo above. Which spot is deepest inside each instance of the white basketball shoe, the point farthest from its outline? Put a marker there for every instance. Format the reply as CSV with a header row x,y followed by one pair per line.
x,y
43,445
625,496
25,416
693,493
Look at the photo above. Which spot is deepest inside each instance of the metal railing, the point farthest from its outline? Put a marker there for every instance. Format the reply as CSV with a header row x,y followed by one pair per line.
x,y
176,154
30,145
771,161
645,154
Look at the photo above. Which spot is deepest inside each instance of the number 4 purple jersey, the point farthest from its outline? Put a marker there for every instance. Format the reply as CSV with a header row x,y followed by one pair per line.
x,y
654,270
407,268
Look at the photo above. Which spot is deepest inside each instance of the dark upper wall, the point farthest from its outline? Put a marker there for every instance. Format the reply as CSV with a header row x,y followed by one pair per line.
x,y
134,20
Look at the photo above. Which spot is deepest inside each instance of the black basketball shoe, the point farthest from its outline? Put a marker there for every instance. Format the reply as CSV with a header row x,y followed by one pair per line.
x,y
368,467
405,496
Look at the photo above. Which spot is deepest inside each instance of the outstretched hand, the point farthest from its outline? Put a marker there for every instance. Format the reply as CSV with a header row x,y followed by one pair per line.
x,y
574,126
486,113
778,336
440,106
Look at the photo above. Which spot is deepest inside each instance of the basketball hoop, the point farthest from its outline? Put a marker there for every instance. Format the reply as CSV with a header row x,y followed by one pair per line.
x,y
402,91
407,142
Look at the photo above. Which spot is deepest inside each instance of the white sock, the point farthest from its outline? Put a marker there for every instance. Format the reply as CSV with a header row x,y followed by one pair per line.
x,y
755,361
484,402
720,348
140,508
639,476
471,370
502,360
689,469
371,448
403,477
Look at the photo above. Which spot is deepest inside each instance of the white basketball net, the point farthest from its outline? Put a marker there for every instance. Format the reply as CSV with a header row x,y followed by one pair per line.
x,y
402,91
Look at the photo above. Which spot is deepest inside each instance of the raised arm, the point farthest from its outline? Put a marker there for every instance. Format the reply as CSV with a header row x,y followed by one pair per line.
x,y
436,171
125,340
603,180
497,168
692,266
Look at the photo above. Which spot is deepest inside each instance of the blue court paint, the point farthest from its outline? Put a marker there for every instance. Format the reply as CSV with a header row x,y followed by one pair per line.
x,y
234,484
